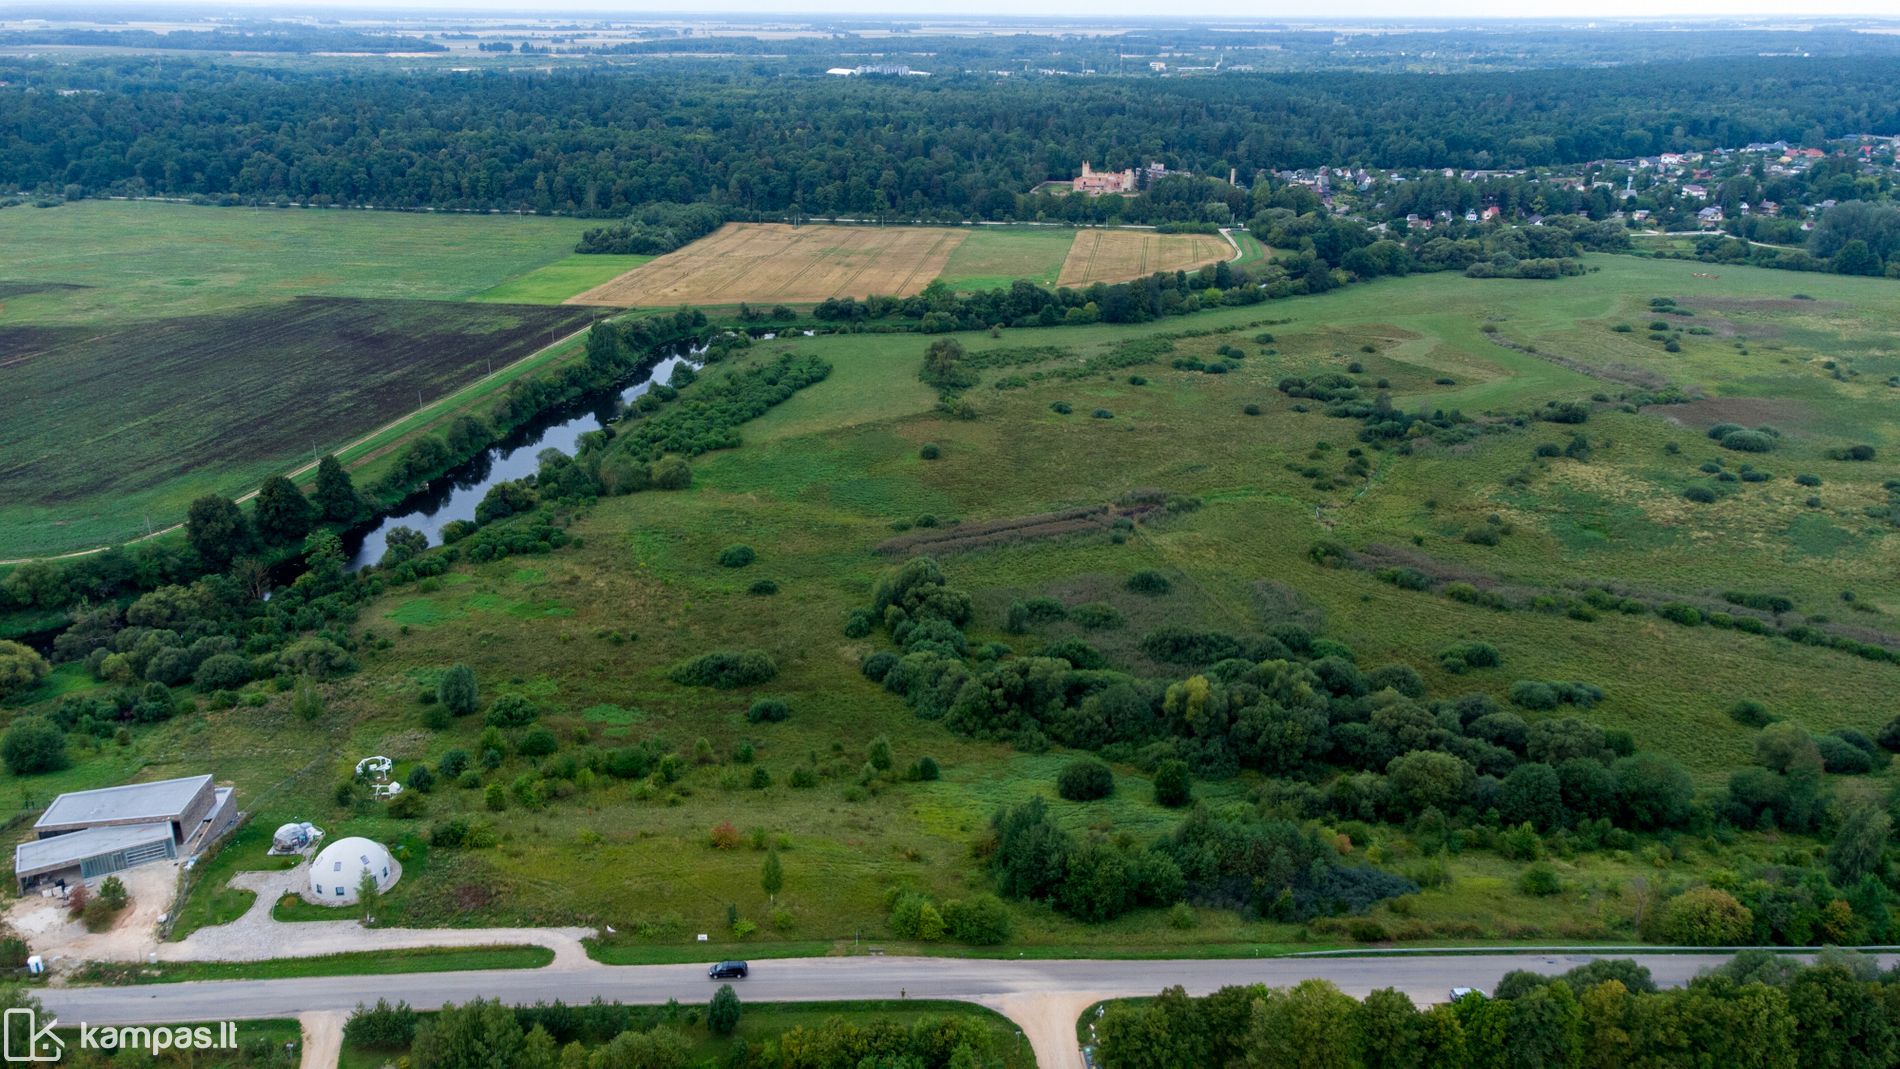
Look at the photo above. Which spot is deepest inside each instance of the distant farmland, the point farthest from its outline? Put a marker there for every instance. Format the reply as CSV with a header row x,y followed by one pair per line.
x,y
770,263
1121,255
153,352
108,426
115,261
767,263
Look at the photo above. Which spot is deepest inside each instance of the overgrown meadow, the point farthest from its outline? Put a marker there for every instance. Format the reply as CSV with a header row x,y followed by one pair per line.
x,y
1570,511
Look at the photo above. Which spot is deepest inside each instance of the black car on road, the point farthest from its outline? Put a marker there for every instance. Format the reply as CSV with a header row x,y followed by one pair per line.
x,y
728,970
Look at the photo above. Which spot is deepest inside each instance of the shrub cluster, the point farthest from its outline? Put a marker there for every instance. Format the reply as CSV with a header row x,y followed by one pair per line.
x,y
726,669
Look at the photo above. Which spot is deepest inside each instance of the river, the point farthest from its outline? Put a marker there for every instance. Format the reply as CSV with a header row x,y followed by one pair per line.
x,y
455,495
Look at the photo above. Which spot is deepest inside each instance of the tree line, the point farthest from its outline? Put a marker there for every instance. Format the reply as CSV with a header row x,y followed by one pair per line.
x,y
1317,252
1852,238
603,1035
604,142
1758,1011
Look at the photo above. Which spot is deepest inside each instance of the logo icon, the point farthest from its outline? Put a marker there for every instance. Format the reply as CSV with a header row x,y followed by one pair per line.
x,y
23,1039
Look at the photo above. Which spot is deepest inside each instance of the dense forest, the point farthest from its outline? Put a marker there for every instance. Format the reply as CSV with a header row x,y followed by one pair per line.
x,y
602,142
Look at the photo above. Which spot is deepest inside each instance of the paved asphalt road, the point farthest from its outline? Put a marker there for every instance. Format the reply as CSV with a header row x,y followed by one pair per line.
x,y
990,981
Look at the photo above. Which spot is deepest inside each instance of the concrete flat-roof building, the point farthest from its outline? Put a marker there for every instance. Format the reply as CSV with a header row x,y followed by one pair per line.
x,y
93,852
84,834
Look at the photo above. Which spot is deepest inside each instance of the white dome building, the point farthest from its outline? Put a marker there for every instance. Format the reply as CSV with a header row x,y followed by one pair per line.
x,y
338,868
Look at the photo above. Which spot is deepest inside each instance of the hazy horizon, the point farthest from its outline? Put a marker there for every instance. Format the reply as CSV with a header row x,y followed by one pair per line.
x,y
1342,10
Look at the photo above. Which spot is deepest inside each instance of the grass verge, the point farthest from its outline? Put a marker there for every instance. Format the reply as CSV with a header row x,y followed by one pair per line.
x,y
358,963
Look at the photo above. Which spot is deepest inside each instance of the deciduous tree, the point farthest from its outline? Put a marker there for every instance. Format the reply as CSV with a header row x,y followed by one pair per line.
x,y
217,530
280,512
772,875
334,494
722,1015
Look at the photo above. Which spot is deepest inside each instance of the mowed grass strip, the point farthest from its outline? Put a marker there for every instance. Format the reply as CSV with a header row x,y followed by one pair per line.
x,y
767,263
556,282
356,963
1121,255
994,257
1251,250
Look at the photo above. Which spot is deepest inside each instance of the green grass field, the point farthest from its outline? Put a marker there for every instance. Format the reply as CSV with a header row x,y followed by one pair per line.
x,y
556,282
1251,250
590,633
140,260
992,257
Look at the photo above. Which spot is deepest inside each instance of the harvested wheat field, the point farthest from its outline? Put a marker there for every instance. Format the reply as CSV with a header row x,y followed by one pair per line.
x,y
769,263
1121,255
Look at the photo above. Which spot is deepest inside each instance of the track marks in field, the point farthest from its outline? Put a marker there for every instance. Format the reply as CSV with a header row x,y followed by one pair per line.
x,y
776,262
1122,255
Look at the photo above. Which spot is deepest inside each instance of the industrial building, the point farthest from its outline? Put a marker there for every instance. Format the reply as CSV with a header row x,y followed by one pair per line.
x,y
87,834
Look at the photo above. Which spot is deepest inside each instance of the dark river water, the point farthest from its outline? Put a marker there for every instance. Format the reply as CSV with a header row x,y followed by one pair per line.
x,y
455,495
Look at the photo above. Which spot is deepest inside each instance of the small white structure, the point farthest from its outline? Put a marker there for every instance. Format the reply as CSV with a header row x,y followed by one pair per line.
x,y
374,766
338,869
385,791
295,838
